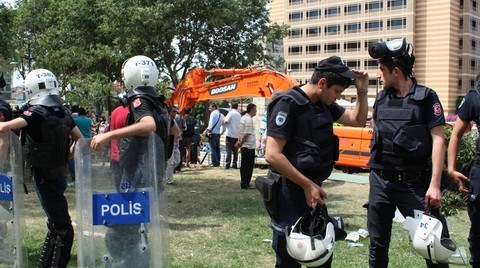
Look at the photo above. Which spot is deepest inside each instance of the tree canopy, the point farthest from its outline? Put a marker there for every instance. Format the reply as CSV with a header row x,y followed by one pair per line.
x,y
86,40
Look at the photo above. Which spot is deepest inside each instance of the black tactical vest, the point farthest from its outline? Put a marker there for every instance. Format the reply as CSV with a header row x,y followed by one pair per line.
x,y
49,158
401,139
313,149
133,149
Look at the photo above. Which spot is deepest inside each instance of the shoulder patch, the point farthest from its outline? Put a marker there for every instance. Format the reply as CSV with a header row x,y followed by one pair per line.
x,y
27,113
2,117
137,102
281,118
437,109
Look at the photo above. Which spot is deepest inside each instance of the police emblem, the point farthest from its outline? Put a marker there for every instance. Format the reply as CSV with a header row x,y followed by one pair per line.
x,y
437,109
136,103
281,118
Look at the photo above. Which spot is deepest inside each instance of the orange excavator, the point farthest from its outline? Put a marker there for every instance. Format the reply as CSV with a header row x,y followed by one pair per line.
x,y
236,83
258,82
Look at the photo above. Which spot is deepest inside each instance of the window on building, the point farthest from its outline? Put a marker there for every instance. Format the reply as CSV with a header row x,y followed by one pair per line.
x,y
313,49
369,64
332,11
372,82
295,33
332,29
294,66
374,25
295,50
396,4
353,27
313,31
460,83
295,16
460,64
351,46
353,9
374,6
472,64
474,5
474,25
332,47
460,43
311,66
397,23
312,1
295,2
472,83
461,23
474,44
355,64
313,14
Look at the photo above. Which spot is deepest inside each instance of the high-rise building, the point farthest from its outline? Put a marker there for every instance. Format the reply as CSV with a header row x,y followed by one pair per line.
x,y
445,35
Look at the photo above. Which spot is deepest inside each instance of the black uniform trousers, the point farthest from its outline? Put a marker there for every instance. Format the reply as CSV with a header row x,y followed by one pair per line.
x,y
473,207
384,197
230,144
54,203
246,169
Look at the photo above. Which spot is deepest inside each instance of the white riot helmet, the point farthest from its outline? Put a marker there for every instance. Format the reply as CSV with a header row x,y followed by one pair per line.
x,y
41,88
139,71
425,236
311,239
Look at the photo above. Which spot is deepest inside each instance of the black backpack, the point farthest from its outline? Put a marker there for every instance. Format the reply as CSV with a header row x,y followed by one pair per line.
x,y
190,122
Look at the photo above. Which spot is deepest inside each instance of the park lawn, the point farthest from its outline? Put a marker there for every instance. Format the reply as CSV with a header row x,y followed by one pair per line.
x,y
213,223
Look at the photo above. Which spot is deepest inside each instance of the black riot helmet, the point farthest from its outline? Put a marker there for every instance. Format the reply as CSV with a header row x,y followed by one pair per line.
x,y
397,52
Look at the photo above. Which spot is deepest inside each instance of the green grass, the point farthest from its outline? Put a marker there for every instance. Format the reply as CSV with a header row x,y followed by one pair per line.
x,y
213,223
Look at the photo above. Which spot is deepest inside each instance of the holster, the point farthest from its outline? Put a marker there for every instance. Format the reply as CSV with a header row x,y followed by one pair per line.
x,y
268,188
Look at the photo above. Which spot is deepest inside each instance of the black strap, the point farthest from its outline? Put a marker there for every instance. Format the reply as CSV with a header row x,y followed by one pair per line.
x,y
219,115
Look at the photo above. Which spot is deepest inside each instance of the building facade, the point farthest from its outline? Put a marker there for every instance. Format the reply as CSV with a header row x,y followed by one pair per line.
x,y
445,35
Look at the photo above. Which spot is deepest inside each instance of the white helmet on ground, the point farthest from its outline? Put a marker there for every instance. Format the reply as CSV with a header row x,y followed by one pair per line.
x,y
425,236
139,71
311,239
41,88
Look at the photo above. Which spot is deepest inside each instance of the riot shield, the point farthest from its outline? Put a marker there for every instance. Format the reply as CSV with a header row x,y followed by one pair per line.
x,y
121,207
12,252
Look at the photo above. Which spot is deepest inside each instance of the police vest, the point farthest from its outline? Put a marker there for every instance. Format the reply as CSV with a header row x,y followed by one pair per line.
x,y
401,139
50,156
133,148
313,149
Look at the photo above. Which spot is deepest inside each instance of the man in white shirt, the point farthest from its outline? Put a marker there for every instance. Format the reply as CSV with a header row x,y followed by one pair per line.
x,y
215,124
246,140
232,121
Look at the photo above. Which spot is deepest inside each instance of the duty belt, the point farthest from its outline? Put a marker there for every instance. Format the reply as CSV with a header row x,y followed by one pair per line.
x,y
401,176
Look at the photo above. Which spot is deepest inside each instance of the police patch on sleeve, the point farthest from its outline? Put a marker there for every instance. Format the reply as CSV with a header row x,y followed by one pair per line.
x,y
281,118
437,109
136,103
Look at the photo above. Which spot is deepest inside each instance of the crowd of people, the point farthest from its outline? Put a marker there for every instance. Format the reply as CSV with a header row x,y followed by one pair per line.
x,y
407,149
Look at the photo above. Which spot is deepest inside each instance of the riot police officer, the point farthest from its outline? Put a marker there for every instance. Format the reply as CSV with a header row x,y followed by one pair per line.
x,y
5,115
407,148
468,184
301,147
48,126
148,114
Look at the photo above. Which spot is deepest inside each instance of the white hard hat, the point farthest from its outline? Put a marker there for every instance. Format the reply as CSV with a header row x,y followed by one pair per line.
x,y
139,71
41,87
311,239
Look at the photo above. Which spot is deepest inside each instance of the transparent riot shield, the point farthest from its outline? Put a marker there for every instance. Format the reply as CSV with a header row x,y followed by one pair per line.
x,y
121,204
12,225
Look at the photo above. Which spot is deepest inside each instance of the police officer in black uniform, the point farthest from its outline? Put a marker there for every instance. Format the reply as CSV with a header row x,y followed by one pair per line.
x,y
48,126
469,110
407,148
5,115
301,147
148,114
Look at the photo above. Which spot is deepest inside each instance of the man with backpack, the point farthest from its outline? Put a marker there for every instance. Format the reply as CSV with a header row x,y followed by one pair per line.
x,y
190,122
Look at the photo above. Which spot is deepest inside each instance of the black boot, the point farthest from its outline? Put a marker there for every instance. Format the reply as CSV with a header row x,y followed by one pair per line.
x,y
47,251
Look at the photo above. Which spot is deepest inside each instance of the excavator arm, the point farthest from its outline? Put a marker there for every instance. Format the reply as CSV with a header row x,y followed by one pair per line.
x,y
237,83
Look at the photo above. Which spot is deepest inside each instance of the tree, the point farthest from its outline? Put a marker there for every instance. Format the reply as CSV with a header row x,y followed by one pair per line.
x,y
79,38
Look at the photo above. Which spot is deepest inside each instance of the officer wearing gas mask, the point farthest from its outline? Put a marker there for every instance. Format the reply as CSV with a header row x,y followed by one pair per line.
x,y
468,184
48,126
407,147
5,115
302,149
